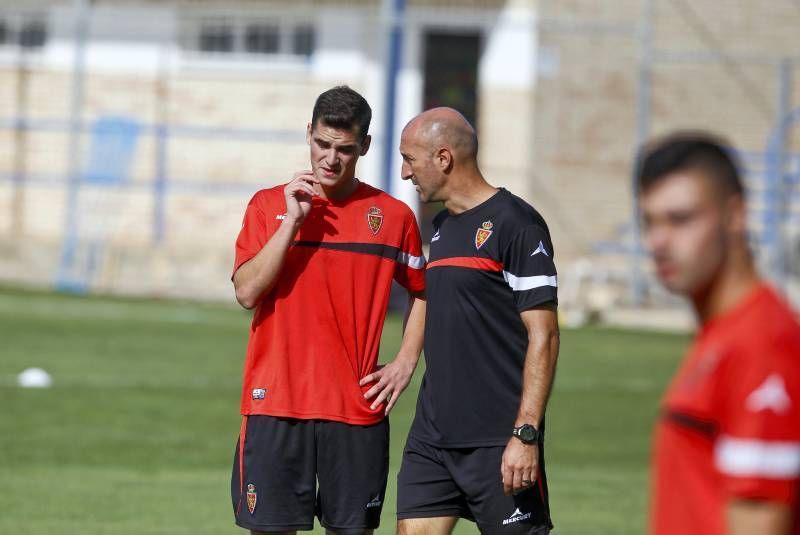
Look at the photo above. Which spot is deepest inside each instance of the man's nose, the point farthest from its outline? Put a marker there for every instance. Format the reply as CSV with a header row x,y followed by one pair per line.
x,y
331,156
405,172
656,238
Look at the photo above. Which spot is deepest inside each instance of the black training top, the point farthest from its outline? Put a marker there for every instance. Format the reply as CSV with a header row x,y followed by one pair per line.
x,y
486,265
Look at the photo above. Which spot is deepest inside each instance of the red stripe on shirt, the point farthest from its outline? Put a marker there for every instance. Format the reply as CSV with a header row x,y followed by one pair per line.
x,y
471,262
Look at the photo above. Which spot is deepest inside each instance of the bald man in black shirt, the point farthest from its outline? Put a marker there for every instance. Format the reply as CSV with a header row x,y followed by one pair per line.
x,y
476,447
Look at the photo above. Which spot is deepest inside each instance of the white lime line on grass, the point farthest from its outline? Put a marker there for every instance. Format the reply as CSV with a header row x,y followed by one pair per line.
x,y
98,310
10,381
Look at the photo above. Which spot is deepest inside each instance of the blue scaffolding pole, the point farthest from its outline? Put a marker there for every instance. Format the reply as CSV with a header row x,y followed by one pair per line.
x,y
64,279
772,239
393,65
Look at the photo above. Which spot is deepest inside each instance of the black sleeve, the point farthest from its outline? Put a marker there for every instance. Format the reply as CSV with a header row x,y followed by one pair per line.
x,y
529,269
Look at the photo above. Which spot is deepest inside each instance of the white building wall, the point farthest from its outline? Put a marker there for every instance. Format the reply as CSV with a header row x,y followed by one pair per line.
x,y
135,49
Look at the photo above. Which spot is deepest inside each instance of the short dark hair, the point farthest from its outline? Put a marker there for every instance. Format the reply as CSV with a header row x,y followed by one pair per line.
x,y
690,151
342,107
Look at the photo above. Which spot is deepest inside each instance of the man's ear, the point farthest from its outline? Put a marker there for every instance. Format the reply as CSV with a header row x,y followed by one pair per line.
x,y
443,159
365,145
737,214
308,133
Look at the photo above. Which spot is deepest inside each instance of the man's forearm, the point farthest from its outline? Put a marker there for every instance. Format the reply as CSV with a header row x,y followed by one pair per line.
x,y
540,364
413,329
391,380
765,518
257,276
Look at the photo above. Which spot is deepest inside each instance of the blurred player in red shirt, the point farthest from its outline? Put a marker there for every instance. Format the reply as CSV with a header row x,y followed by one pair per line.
x,y
727,444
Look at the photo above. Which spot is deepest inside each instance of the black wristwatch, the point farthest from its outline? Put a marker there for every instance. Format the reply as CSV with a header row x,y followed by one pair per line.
x,y
527,434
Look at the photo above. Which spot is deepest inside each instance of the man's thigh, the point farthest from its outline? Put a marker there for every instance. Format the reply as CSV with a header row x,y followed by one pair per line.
x,y
427,526
352,468
274,475
327,532
477,472
425,487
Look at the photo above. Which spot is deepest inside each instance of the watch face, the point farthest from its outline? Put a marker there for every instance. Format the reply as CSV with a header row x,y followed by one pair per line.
x,y
527,433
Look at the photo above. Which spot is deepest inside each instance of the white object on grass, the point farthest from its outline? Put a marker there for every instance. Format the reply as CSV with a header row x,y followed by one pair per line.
x,y
34,378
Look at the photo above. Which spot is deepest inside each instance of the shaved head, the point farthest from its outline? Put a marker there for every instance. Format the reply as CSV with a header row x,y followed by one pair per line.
x,y
445,128
440,157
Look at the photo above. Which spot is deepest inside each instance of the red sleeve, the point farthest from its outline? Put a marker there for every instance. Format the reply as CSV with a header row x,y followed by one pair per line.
x,y
758,448
409,270
254,234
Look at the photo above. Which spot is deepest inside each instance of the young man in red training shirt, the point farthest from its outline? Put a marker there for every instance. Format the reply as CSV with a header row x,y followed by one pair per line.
x,y
727,445
316,258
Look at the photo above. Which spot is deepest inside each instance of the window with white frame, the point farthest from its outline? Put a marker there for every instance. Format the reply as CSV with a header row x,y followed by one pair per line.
x,y
27,31
248,36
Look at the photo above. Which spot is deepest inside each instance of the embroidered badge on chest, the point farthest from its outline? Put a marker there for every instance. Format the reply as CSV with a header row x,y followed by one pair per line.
x,y
375,219
483,234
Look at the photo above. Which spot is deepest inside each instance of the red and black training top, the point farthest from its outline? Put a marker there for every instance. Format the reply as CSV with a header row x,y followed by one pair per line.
x,y
317,332
486,266
730,425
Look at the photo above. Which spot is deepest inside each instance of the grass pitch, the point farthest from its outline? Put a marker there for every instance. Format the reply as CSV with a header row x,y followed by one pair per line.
x,y
136,436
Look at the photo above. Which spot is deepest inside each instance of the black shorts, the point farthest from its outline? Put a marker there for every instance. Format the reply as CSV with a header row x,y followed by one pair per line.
x,y
279,461
466,483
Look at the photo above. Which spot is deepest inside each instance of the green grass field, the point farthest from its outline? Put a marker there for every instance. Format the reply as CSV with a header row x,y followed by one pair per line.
x,y
137,434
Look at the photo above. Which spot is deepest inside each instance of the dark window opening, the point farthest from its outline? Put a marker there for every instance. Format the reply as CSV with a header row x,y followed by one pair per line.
x,y
451,79
33,34
5,33
303,41
216,38
262,39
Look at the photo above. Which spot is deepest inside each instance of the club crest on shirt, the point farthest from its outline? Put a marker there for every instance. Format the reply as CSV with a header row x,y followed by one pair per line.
x,y
483,234
251,498
375,219
701,370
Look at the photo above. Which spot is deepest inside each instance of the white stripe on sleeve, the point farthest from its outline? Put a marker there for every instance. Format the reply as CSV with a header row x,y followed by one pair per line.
x,y
519,284
757,458
414,262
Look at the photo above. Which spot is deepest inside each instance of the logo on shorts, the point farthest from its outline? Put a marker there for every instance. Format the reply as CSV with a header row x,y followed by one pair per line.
x,y
435,236
516,516
280,217
251,498
259,393
483,234
375,502
375,219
